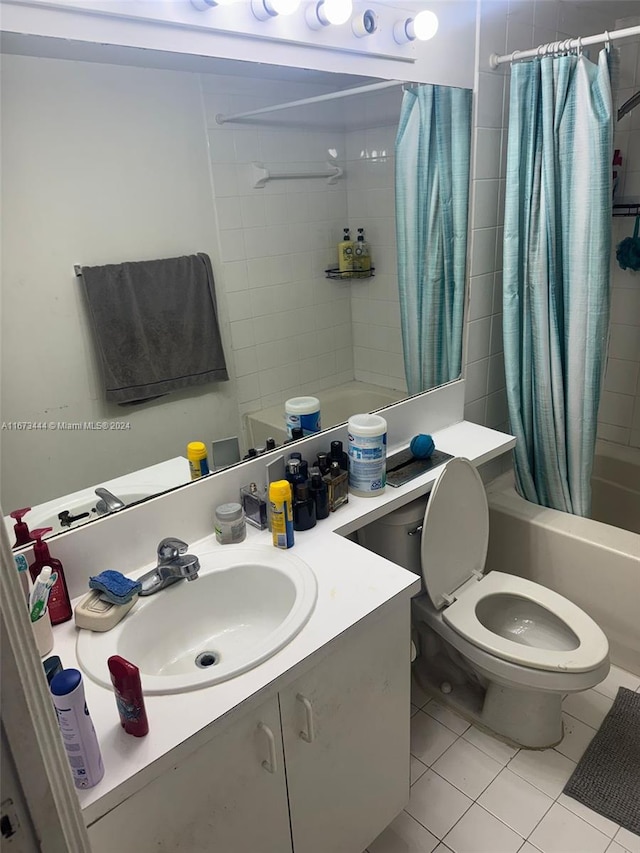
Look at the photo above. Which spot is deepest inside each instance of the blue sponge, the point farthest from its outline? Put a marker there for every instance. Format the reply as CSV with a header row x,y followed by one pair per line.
x,y
115,587
422,446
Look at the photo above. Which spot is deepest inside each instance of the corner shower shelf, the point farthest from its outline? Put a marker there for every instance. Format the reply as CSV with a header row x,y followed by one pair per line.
x,y
338,275
627,207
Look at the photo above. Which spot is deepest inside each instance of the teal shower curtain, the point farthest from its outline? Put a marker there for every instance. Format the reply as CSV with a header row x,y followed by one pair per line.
x,y
432,196
557,246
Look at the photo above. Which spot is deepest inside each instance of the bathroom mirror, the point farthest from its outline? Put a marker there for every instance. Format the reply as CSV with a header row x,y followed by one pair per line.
x,y
122,158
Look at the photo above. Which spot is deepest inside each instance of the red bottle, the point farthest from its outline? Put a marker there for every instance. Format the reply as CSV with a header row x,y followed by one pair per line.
x,y
59,605
23,537
125,678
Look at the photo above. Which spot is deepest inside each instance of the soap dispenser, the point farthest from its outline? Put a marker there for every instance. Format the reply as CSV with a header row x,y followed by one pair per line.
x,y
345,253
59,605
23,537
361,256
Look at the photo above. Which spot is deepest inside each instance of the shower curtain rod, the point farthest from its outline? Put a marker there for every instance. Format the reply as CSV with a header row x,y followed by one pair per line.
x,y
562,46
329,96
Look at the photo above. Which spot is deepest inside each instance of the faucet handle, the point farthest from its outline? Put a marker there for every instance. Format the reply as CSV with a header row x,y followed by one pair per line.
x,y
170,548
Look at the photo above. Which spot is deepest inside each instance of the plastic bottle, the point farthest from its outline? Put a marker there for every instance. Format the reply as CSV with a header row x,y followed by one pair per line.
x,y
281,514
345,253
20,528
59,602
125,678
367,454
302,413
76,728
361,256
230,524
197,456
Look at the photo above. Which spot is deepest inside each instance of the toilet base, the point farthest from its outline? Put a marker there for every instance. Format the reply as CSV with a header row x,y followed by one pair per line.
x,y
529,719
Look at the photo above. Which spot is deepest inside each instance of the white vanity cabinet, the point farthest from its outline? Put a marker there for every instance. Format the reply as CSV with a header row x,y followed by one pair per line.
x,y
227,797
342,776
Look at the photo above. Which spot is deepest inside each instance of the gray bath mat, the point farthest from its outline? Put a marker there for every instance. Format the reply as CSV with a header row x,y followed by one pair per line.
x,y
607,778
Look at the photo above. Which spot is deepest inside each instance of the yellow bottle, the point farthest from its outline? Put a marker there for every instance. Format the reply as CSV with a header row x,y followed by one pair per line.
x,y
281,513
345,253
197,456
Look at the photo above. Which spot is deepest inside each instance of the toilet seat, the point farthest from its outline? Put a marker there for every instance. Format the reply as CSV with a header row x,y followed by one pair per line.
x,y
592,645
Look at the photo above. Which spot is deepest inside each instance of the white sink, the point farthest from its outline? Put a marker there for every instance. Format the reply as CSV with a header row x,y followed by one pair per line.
x,y
78,506
246,604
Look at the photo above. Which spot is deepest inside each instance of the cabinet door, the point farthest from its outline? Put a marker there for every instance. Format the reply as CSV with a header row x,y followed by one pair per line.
x,y
226,797
345,728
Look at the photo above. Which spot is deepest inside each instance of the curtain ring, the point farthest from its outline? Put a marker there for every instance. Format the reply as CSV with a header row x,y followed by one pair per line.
x,y
541,50
607,41
514,55
579,46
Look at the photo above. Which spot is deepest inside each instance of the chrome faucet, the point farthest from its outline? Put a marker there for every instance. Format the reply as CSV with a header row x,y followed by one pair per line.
x,y
174,565
108,502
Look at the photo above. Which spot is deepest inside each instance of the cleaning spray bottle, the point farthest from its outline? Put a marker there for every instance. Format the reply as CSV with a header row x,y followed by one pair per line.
x,y
23,537
59,602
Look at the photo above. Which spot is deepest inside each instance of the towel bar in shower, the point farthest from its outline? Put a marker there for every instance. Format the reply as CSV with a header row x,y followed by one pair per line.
x,y
261,174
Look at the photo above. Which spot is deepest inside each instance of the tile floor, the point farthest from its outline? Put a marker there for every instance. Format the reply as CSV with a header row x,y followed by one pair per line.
x,y
471,793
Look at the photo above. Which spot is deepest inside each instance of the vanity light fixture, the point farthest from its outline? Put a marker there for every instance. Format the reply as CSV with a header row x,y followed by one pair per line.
x,y
364,24
211,4
423,27
322,13
265,9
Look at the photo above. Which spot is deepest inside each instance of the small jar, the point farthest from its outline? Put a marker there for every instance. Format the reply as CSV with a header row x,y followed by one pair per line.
x,y
230,524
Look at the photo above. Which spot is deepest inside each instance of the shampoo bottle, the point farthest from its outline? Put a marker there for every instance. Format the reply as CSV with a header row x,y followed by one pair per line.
x,y
76,728
127,686
59,602
345,253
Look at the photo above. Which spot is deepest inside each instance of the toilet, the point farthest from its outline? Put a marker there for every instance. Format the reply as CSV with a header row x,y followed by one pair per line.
x,y
499,649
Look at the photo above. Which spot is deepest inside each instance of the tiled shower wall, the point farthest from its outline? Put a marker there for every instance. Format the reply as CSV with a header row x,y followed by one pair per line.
x,y
291,328
619,414
504,26
375,305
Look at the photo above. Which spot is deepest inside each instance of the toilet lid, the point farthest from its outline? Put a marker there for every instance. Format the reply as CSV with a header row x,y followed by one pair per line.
x,y
455,533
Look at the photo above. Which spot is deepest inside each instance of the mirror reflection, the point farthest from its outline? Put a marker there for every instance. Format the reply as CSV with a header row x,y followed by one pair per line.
x,y
111,162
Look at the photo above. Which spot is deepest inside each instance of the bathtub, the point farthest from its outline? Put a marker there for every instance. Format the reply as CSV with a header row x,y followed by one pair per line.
x,y
595,565
336,406
615,485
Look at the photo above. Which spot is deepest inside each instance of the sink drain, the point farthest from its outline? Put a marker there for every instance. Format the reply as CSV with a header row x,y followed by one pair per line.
x,y
207,659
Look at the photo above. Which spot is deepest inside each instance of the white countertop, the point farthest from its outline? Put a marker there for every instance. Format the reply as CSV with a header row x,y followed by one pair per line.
x,y
352,583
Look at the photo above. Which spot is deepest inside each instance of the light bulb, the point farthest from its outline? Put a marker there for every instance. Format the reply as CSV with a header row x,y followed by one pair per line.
x,y
337,11
325,12
283,7
265,9
211,4
425,25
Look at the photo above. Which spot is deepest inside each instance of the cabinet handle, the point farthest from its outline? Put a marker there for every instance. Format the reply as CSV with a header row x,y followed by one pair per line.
x,y
270,765
309,735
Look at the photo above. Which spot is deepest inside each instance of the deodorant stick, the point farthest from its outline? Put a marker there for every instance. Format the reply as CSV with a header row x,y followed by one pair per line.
x,y
78,734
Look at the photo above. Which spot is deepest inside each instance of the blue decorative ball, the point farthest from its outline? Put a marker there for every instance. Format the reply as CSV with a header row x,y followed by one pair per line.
x,y
422,446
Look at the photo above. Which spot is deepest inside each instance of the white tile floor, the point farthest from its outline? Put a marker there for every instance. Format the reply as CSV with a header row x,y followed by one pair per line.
x,y
471,793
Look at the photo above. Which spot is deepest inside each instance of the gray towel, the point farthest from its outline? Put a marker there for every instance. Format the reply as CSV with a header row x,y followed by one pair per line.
x,y
155,325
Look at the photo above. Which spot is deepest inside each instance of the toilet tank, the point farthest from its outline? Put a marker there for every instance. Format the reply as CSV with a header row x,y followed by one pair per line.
x,y
390,536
